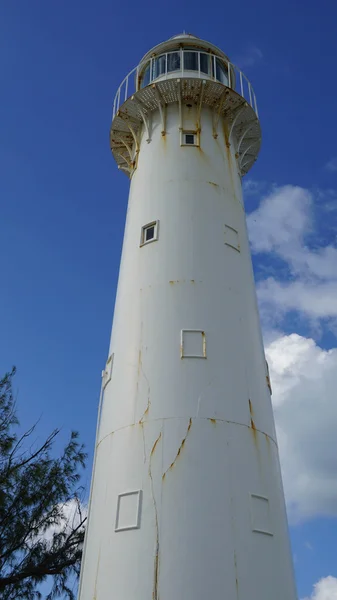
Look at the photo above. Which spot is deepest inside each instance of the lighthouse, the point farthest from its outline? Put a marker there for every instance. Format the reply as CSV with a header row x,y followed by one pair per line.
x,y
186,499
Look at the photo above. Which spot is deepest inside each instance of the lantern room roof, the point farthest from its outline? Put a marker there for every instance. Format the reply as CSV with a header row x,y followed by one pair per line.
x,y
184,39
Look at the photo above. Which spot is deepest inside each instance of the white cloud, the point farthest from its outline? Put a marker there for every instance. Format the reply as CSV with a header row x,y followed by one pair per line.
x,y
281,219
308,297
252,187
304,382
283,226
72,513
325,589
331,165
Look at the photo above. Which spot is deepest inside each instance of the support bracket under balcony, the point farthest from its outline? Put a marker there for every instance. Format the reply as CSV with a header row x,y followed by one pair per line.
x,y
217,113
146,118
248,127
202,89
236,116
162,108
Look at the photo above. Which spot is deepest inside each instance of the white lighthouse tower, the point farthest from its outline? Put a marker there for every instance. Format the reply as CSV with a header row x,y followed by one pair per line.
x,y
186,500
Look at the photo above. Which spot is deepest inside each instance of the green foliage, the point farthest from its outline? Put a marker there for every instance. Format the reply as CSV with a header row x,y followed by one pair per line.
x,y
41,521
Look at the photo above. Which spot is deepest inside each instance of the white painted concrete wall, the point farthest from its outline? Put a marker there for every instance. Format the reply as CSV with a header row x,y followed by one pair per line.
x,y
192,439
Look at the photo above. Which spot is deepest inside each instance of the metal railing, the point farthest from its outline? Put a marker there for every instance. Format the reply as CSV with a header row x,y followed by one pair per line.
x,y
184,63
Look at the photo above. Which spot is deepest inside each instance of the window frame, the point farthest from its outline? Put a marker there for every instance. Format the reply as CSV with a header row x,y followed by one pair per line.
x,y
183,353
143,240
185,132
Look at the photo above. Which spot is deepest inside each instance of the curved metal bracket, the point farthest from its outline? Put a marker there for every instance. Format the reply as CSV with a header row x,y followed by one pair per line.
x,y
126,146
128,168
135,138
146,119
180,106
240,110
250,125
216,114
256,141
125,169
126,120
162,108
251,160
123,158
202,89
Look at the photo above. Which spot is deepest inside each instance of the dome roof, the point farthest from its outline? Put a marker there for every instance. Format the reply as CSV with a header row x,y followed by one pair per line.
x,y
186,39
184,35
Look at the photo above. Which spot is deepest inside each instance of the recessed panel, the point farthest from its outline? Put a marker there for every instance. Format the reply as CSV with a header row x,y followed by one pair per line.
x,y
260,512
128,511
193,343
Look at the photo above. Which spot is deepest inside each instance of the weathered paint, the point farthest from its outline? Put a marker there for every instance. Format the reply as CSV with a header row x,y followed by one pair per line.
x,y
212,183
196,437
156,555
179,449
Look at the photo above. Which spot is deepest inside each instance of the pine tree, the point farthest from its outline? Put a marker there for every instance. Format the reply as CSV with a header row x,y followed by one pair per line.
x,y
41,515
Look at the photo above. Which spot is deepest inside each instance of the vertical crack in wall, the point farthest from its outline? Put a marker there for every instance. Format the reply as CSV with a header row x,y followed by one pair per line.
x,y
96,576
252,424
201,396
179,449
156,556
140,371
232,518
143,436
147,410
236,575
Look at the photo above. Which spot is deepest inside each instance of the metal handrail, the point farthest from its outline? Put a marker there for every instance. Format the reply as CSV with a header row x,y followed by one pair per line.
x,y
157,70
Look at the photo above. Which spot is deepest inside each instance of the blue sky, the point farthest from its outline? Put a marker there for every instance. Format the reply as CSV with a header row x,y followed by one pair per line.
x,y
63,205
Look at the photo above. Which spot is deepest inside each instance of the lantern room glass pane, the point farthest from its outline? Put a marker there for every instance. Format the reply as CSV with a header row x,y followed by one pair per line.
x,y
221,72
146,76
173,61
205,63
159,66
191,61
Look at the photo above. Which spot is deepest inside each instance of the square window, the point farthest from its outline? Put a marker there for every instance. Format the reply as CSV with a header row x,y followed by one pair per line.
x,y
193,343
128,511
189,138
149,233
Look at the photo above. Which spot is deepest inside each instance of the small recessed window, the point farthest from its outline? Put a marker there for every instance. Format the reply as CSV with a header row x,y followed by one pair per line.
x,y
189,138
149,233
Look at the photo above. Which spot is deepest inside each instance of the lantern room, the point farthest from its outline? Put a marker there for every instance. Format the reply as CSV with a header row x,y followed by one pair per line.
x,y
184,55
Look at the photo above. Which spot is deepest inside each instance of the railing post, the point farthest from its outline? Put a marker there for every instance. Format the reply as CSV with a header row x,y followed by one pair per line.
x,y
126,88
250,94
229,74
257,114
214,67
182,61
151,69
119,98
199,64
166,63
241,84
